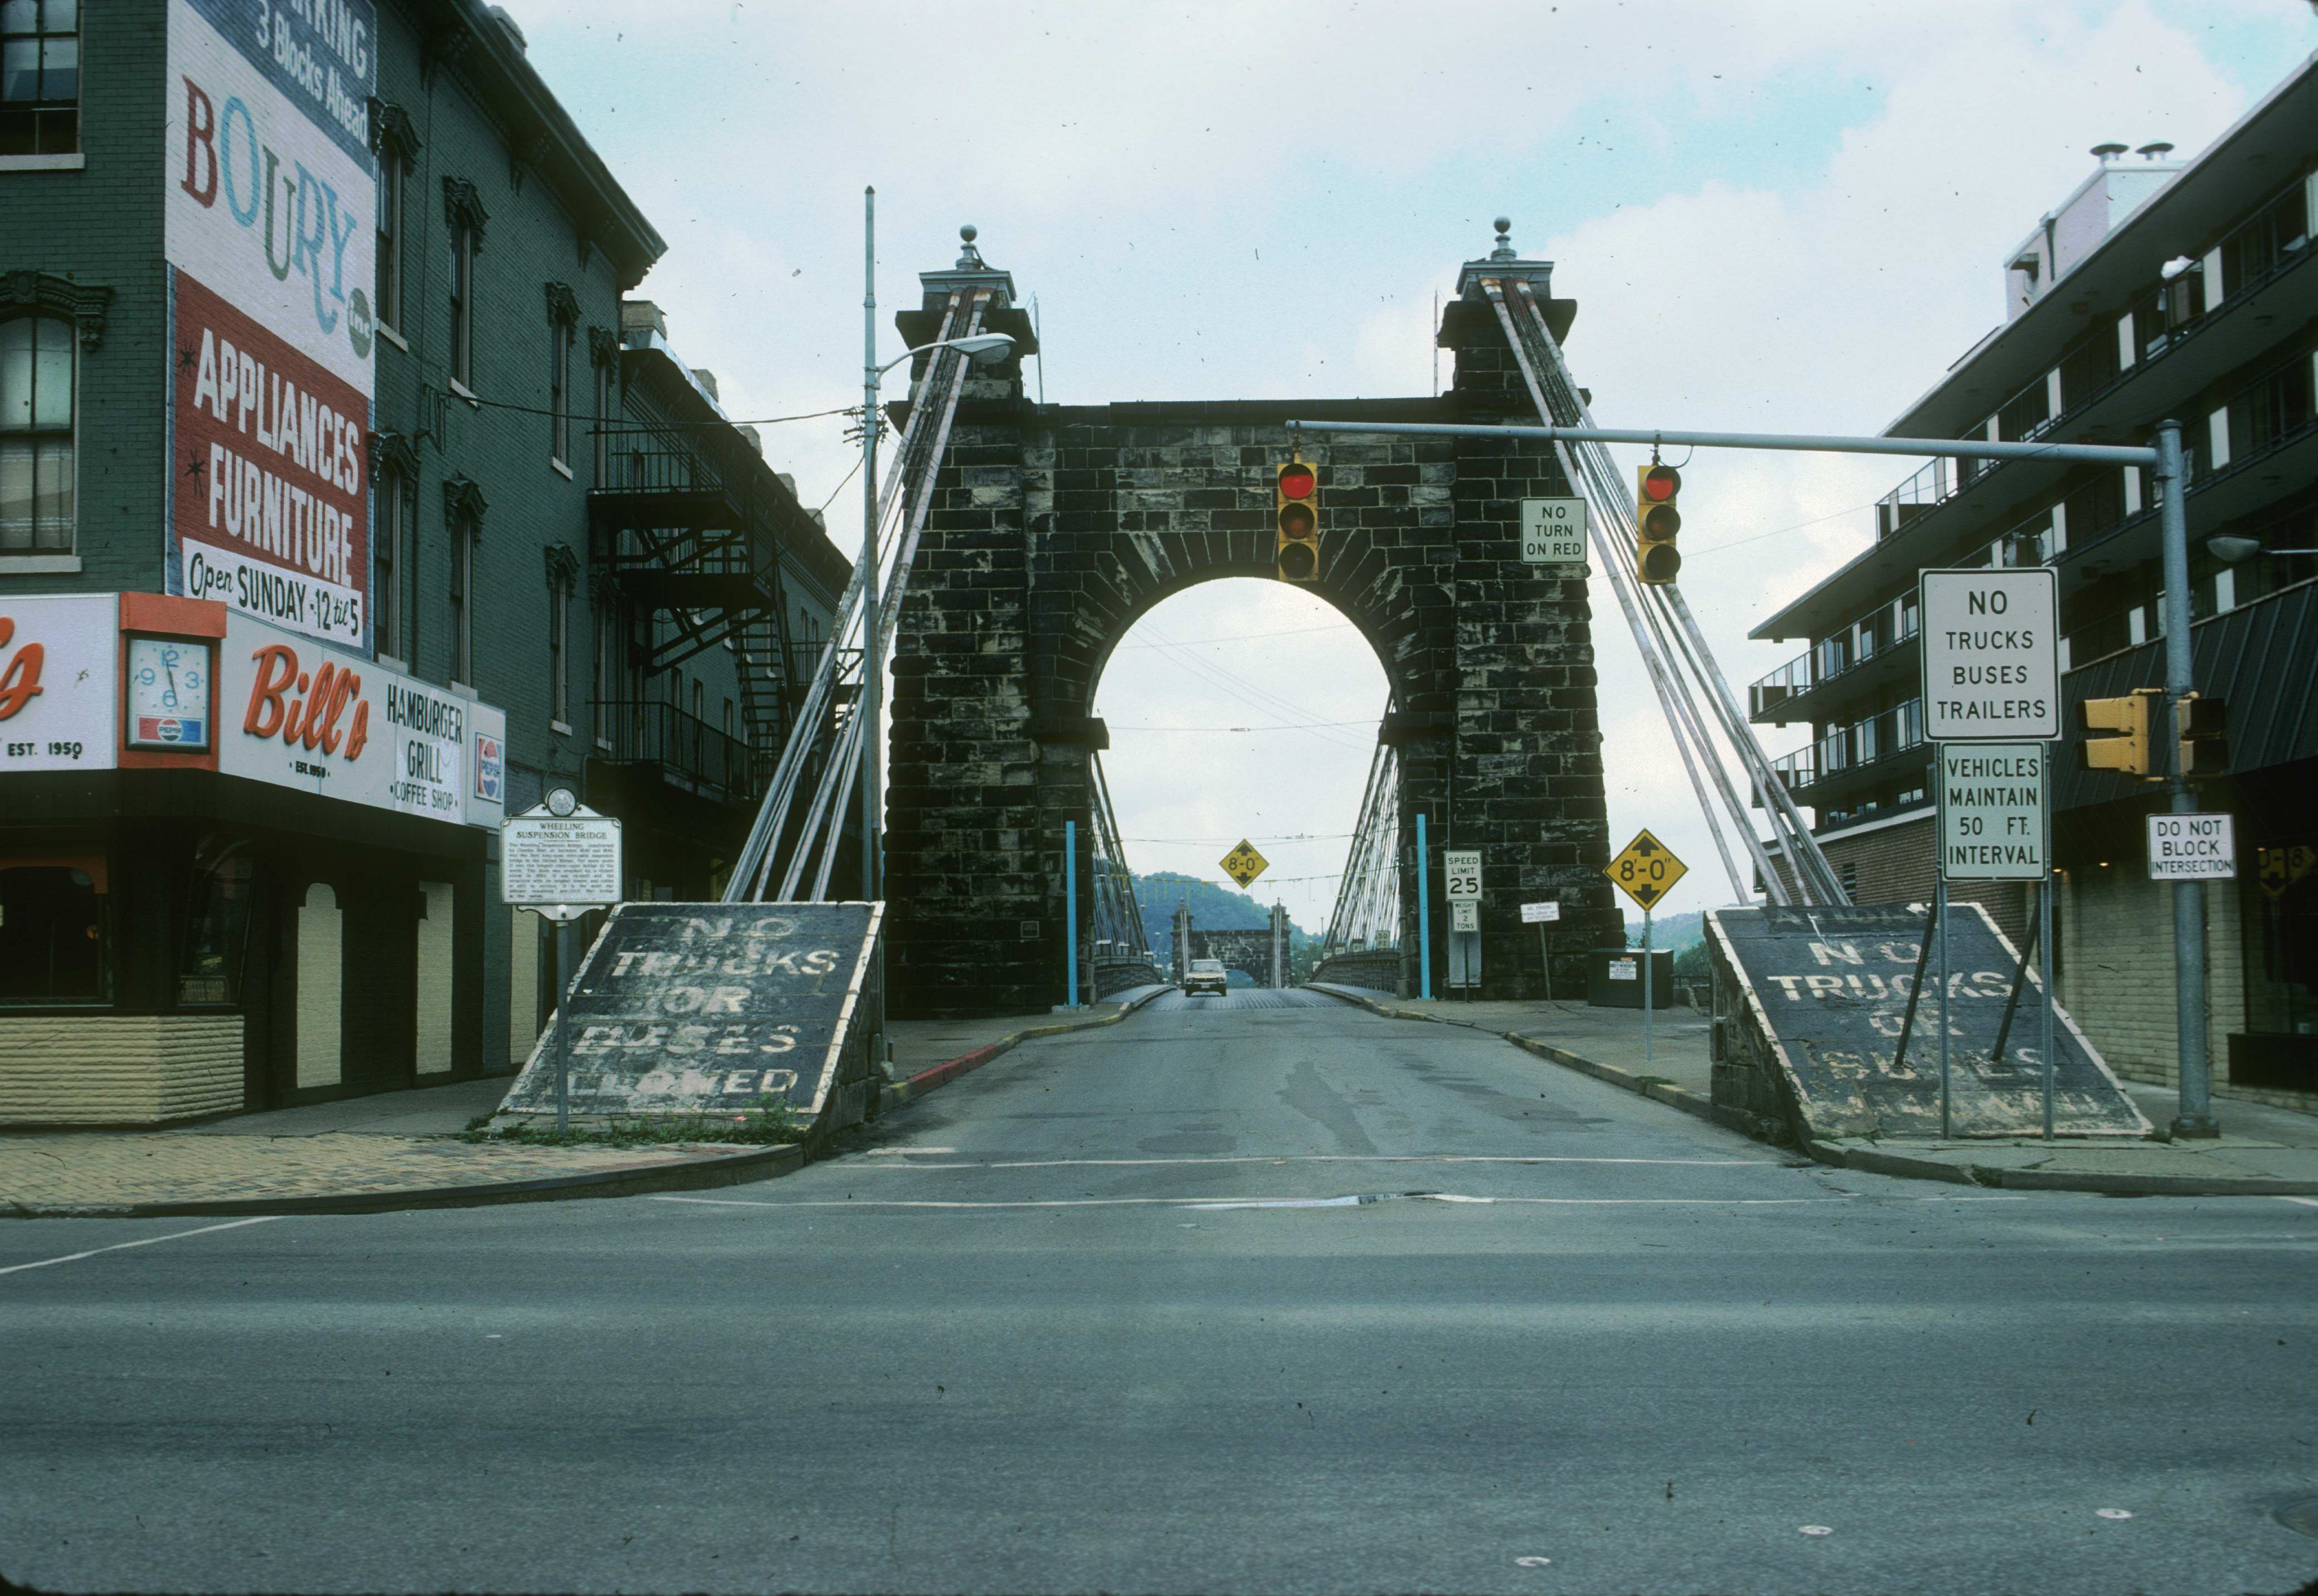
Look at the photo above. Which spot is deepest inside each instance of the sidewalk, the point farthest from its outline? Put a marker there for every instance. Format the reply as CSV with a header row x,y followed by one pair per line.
x,y
2262,1152
392,1151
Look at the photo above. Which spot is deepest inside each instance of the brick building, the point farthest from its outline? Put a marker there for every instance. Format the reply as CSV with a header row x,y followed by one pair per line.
x,y
2157,288
310,561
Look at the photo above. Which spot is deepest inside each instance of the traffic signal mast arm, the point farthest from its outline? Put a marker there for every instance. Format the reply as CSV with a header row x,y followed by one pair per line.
x,y
1790,443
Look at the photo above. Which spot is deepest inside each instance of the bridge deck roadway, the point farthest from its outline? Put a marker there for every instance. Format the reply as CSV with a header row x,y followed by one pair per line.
x,y
1074,1322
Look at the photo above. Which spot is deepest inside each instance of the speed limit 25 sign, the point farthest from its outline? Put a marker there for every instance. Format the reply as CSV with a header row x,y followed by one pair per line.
x,y
1460,872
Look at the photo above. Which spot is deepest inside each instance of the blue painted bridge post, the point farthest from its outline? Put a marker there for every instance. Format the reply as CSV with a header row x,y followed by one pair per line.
x,y
1071,905
1423,917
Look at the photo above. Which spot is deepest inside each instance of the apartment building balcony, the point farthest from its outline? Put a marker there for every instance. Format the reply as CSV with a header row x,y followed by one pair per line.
x,y
659,741
1949,509
1833,683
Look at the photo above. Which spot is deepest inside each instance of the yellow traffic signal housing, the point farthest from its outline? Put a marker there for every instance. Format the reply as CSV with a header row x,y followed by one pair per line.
x,y
1656,562
2125,720
2202,726
1296,518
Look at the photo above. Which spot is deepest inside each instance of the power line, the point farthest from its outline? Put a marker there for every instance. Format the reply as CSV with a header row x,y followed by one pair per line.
x,y
1298,726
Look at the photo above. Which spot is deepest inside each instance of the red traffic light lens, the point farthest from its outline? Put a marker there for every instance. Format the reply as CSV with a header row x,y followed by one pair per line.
x,y
1296,520
1660,483
1297,481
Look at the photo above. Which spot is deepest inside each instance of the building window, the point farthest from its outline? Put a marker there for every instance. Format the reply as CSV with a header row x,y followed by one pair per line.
x,y
465,214
463,614
396,142
36,435
562,581
462,518
394,478
53,932
558,393
606,677
463,298
217,922
390,243
563,331
39,77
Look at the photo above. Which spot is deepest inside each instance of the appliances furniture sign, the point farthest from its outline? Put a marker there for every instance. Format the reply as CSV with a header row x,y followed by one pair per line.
x,y
270,234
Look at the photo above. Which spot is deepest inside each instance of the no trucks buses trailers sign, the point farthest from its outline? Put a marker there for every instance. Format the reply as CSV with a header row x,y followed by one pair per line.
x,y
1992,671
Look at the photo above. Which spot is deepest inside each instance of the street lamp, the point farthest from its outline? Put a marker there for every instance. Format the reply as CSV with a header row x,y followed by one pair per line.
x,y
982,349
2231,550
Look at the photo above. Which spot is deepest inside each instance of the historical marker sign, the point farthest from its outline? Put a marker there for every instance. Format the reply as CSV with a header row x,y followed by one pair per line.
x,y
560,861
2192,847
1646,870
1553,531
709,1008
1992,811
1461,874
1990,655
1244,864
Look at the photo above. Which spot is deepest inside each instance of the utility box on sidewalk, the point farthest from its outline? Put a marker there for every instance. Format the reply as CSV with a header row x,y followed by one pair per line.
x,y
1613,978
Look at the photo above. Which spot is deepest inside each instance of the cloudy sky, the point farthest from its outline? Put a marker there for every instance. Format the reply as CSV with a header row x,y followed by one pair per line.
x,y
1775,217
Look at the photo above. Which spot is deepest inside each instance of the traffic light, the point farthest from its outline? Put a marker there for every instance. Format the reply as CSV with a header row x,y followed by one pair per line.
x,y
1298,518
1655,521
2125,749
2203,726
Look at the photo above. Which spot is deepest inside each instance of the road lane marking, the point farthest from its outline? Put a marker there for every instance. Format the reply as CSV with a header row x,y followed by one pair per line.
x,y
1339,1157
1230,1202
2306,1202
147,1241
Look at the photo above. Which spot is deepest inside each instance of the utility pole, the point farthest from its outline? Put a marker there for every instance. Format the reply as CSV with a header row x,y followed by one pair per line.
x,y
2194,1120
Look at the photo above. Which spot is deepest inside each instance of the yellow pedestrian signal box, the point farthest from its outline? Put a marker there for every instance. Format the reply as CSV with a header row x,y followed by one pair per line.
x,y
1297,515
2203,726
2116,732
1657,520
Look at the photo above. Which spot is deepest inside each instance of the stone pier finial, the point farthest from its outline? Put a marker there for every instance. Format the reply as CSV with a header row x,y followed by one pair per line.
x,y
1505,250
969,258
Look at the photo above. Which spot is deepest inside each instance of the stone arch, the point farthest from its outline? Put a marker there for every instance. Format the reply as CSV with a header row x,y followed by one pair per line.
x,y
1053,528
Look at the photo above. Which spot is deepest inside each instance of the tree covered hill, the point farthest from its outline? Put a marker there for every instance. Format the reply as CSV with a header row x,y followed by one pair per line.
x,y
1213,908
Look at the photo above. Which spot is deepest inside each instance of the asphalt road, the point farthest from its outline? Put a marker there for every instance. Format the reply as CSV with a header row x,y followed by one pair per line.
x,y
1065,1326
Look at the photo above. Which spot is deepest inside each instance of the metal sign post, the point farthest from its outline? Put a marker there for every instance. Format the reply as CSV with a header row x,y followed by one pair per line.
x,y
563,860
1542,915
1644,870
1646,984
1990,677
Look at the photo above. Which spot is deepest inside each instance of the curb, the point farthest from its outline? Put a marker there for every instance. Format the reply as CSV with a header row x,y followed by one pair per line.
x,y
1867,1160
768,1163
898,1094
737,1168
1876,1161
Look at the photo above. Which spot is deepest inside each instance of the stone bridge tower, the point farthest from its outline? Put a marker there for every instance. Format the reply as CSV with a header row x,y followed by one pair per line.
x,y
1056,527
